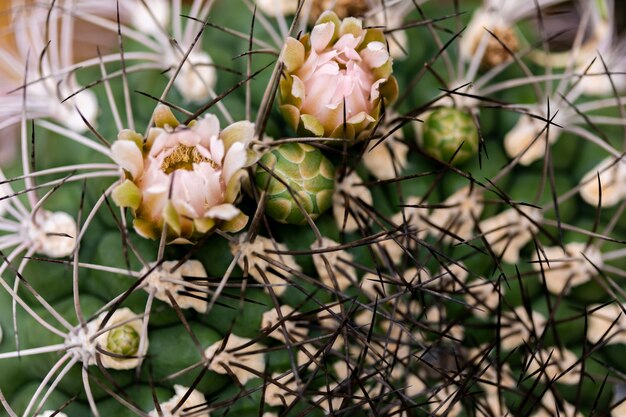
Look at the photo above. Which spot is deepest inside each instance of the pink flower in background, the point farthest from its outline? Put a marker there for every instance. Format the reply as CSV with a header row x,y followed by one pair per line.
x,y
337,77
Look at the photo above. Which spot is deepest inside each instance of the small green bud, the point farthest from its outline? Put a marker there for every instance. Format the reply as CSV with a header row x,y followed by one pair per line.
x,y
445,131
123,340
309,175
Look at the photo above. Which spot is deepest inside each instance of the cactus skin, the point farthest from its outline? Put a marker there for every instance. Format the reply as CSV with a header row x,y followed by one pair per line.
x,y
306,172
402,302
447,130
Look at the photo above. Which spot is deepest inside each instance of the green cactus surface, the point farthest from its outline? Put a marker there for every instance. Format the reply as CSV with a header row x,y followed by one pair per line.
x,y
298,178
450,135
409,208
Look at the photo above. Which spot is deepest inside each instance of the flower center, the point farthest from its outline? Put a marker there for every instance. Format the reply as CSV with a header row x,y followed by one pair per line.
x,y
183,157
123,340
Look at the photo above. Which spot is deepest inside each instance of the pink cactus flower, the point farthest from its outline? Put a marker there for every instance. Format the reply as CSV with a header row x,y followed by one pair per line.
x,y
337,78
187,177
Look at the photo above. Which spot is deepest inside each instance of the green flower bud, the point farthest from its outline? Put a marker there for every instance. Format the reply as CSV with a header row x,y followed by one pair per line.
x,y
309,175
445,131
123,340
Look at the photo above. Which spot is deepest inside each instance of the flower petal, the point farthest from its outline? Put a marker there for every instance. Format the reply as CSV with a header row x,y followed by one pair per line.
x,y
235,160
127,155
127,194
375,54
322,35
242,131
293,54
207,127
222,212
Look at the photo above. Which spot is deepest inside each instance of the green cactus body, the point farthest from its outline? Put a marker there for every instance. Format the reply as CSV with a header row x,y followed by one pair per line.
x,y
172,259
305,174
447,130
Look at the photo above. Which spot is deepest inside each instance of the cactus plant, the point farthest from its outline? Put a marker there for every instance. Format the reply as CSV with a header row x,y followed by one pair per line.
x,y
312,207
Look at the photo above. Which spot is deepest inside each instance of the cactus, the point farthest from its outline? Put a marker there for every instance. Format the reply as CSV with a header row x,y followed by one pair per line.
x,y
304,180
312,207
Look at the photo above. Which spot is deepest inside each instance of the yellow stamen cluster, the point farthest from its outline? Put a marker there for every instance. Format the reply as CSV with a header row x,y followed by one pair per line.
x,y
184,157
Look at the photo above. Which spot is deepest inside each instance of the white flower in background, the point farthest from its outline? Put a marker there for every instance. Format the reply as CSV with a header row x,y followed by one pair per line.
x,y
500,18
596,82
528,138
392,16
611,190
252,260
508,232
197,77
51,233
147,21
120,336
553,363
49,81
193,403
595,21
566,269
519,328
277,7
348,197
386,160
167,36
187,177
600,324
232,354
458,215
288,324
339,269
164,280
476,39
132,13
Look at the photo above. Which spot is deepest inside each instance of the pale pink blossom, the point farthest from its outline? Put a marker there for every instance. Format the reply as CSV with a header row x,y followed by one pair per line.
x,y
336,78
188,177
